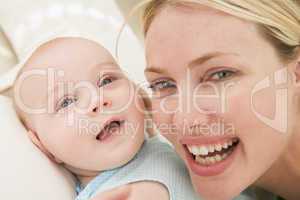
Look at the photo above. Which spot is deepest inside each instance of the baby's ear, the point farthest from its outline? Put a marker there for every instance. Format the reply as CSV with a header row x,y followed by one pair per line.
x,y
37,142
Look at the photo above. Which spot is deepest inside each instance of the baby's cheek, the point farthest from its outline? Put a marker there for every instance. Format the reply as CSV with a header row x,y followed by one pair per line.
x,y
57,134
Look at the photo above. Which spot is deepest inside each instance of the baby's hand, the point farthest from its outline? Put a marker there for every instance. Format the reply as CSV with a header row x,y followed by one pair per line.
x,y
148,190
145,190
120,193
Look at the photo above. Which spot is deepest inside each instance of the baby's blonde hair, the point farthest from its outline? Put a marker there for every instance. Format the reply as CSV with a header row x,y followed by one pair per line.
x,y
279,20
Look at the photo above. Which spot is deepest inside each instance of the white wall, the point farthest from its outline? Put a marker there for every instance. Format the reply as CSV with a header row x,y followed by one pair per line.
x,y
134,8
21,21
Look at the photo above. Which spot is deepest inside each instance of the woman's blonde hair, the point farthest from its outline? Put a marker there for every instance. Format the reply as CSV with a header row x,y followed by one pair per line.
x,y
279,20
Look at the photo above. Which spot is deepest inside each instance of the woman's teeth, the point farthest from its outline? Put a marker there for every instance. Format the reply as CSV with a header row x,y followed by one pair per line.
x,y
204,150
213,159
212,153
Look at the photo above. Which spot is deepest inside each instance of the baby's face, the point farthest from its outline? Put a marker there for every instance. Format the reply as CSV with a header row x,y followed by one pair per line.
x,y
91,117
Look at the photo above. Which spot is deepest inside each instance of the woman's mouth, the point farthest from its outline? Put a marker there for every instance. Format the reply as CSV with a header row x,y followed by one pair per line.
x,y
112,127
214,153
211,158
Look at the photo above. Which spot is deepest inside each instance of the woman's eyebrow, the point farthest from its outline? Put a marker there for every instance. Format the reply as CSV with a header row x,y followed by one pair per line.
x,y
201,60
157,70
195,62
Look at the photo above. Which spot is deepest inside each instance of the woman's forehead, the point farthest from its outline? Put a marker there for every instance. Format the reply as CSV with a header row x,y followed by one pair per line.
x,y
178,22
182,36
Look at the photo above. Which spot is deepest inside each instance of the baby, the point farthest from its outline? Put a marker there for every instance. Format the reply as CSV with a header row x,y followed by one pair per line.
x,y
82,111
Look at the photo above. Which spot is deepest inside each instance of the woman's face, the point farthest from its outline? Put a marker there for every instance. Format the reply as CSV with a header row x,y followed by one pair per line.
x,y
219,94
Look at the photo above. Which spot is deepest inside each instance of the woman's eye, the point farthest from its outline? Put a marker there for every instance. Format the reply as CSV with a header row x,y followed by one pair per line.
x,y
221,75
163,88
105,81
67,101
160,85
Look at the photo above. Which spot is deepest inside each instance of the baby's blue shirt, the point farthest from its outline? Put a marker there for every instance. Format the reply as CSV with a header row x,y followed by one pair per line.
x,y
156,161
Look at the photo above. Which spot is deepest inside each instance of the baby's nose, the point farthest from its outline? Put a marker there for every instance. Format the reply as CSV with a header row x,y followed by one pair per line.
x,y
101,106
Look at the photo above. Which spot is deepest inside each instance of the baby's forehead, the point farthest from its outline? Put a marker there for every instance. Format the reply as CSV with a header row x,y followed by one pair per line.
x,y
78,59
68,52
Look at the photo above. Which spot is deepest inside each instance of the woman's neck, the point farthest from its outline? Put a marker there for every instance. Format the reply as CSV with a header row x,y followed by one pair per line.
x,y
283,178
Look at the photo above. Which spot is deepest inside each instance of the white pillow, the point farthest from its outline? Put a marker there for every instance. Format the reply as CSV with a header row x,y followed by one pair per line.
x,y
25,173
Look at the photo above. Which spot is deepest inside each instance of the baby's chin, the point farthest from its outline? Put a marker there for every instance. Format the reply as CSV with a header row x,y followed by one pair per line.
x,y
125,152
132,147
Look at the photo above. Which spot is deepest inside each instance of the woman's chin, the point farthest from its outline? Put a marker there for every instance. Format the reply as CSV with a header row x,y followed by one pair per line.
x,y
214,196
225,185
216,191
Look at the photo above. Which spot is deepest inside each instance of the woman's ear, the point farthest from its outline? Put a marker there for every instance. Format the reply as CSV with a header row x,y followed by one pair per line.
x,y
297,71
37,142
296,68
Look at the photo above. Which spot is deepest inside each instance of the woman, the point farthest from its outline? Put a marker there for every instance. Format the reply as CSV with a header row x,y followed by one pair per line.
x,y
224,77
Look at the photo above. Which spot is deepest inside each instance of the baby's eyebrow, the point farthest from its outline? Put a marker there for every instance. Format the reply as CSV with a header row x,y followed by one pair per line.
x,y
106,65
101,67
52,90
51,94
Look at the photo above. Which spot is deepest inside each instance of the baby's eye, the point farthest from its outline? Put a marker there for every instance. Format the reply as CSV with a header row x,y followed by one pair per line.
x,y
105,81
221,75
67,101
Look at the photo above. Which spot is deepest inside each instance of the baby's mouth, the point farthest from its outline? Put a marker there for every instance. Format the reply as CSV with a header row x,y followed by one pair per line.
x,y
110,128
212,154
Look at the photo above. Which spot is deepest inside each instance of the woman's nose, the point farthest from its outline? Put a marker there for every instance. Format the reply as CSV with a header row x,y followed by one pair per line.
x,y
196,123
195,111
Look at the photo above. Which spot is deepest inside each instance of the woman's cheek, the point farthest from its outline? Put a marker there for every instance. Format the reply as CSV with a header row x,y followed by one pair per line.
x,y
255,109
163,120
258,139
